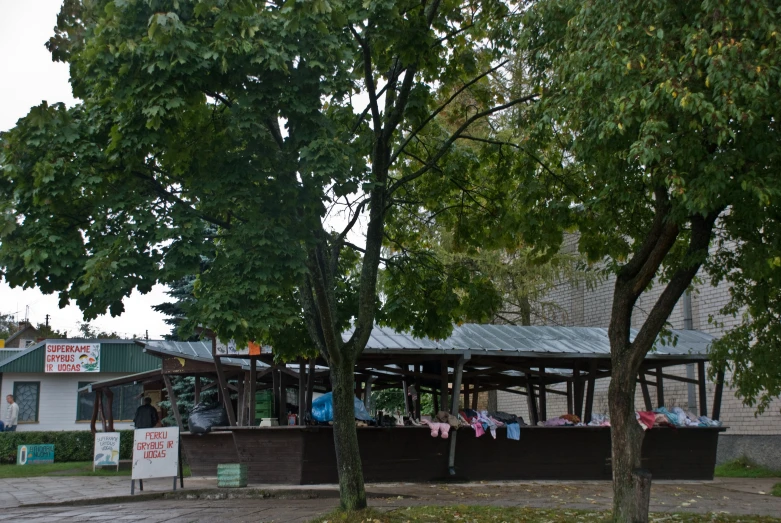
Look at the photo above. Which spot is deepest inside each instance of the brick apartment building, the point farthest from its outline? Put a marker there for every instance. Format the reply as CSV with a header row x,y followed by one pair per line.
x,y
756,437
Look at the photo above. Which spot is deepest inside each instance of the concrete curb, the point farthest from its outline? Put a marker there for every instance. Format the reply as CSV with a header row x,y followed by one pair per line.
x,y
210,494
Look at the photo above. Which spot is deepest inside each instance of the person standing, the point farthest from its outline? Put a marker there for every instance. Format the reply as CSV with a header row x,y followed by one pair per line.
x,y
146,415
11,414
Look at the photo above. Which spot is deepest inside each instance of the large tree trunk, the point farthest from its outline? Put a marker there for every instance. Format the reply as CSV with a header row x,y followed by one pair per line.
x,y
352,494
626,440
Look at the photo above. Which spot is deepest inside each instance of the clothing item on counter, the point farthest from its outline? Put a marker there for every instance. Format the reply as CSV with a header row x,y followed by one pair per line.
x,y
438,428
556,422
646,419
571,418
513,431
599,420
446,417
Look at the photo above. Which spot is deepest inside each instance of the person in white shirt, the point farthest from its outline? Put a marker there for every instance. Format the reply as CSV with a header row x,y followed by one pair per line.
x,y
11,414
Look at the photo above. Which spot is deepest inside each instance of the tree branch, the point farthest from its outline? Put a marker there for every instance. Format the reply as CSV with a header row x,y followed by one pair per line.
x,y
442,108
369,79
443,149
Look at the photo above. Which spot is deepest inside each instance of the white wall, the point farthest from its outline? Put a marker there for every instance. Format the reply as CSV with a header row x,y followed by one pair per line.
x,y
58,399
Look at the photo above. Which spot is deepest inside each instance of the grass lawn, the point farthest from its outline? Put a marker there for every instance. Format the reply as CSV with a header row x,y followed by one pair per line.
x,y
75,468
743,468
776,490
465,514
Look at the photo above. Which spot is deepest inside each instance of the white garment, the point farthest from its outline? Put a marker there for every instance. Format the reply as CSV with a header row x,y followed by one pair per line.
x,y
11,415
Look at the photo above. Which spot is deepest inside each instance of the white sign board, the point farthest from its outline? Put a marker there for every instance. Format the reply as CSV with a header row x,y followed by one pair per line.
x,y
231,349
72,357
155,453
106,450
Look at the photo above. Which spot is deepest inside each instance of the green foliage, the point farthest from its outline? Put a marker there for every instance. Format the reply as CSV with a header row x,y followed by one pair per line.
x,y
77,468
656,119
77,445
744,468
184,388
7,325
391,401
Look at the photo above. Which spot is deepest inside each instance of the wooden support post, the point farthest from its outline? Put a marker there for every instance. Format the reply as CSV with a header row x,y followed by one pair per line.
x,y
253,390
301,390
172,398
592,373
197,391
570,402
531,401
646,394
103,413
578,384
466,394
717,395
282,398
459,372
443,386
475,394
241,400
224,391
95,409
659,388
110,398
703,393
275,392
543,398
417,389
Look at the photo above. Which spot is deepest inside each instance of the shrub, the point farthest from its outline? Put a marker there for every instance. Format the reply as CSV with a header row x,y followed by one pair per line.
x,y
75,445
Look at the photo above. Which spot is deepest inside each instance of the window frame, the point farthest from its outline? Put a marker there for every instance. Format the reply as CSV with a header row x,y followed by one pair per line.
x,y
119,393
37,400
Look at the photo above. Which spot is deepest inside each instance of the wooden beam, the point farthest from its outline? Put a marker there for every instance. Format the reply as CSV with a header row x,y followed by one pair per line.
x,y
646,394
531,401
310,384
475,394
578,386
543,398
282,399
253,390
659,388
443,385
459,372
241,401
301,390
590,391
418,389
224,391
717,395
95,409
110,398
103,413
172,398
703,393
570,400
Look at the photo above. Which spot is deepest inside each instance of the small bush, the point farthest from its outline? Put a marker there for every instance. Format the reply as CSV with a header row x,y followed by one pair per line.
x,y
76,445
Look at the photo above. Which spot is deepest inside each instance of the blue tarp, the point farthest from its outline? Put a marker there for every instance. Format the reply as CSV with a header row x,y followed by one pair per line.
x,y
323,409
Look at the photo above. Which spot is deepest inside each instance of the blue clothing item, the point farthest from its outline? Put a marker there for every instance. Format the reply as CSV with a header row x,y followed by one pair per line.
x,y
323,409
513,431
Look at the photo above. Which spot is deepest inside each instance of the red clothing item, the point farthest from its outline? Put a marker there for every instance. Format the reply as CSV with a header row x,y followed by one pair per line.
x,y
646,419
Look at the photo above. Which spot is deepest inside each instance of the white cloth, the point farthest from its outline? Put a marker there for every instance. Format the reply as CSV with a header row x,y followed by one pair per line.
x,y
11,415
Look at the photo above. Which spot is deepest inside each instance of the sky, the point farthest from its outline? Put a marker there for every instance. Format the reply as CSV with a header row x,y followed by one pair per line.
x,y
27,77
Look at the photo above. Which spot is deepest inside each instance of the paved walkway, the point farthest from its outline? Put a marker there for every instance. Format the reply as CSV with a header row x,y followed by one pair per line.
x,y
299,504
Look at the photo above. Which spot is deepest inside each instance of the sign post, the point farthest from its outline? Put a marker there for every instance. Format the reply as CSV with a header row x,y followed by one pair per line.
x,y
155,455
106,450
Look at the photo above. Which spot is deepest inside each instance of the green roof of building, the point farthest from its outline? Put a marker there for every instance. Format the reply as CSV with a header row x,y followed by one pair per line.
x,y
122,356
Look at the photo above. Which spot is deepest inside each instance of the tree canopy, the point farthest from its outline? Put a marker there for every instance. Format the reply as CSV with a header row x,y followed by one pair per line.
x,y
231,131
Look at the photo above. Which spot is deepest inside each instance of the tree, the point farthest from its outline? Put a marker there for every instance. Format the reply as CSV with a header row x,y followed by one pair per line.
x,y
46,331
259,119
88,332
658,122
181,291
7,325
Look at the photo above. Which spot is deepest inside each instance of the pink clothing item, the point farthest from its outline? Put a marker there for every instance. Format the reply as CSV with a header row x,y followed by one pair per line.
x,y
646,419
437,428
478,429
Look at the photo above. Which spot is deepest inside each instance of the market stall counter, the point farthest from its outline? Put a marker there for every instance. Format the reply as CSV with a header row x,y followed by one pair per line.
x,y
305,455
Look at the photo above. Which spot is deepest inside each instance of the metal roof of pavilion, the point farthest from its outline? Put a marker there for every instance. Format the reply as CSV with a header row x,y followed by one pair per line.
x,y
194,350
532,341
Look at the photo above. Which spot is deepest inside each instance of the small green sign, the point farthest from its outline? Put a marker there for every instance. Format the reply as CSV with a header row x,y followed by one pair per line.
x,y
34,454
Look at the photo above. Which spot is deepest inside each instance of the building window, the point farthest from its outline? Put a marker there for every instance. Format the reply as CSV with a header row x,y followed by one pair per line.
x,y
27,396
127,398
